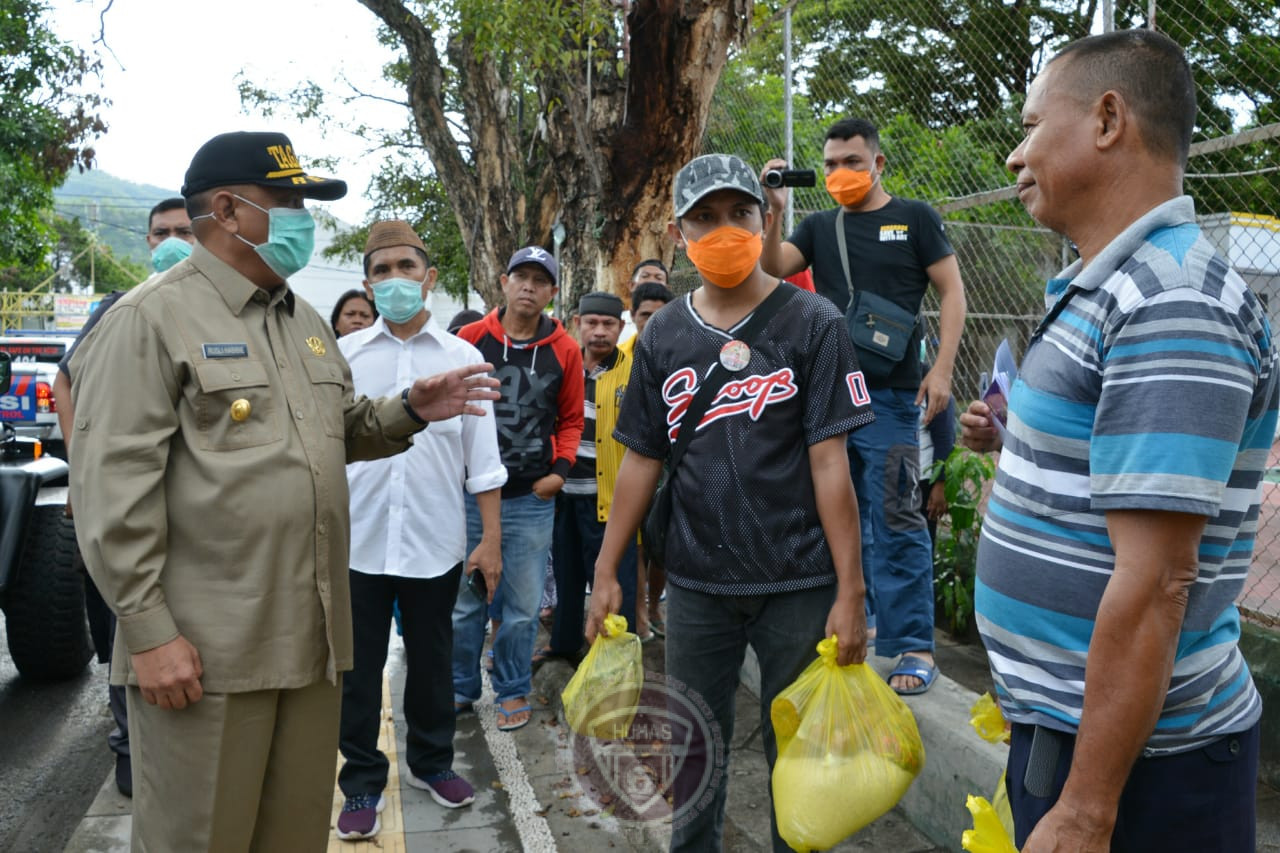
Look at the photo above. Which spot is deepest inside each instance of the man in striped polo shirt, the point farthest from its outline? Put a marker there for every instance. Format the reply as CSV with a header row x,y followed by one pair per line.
x,y
1122,522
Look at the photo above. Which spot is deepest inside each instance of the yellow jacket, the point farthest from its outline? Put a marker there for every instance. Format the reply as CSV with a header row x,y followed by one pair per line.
x,y
610,386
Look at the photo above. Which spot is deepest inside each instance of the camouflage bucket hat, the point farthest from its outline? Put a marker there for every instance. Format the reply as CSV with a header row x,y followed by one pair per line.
x,y
709,173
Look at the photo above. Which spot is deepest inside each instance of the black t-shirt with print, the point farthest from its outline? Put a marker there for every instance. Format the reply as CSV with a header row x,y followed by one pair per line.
x,y
890,251
744,520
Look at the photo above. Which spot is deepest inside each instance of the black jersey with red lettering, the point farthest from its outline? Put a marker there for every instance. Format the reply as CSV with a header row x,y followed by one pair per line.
x,y
744,520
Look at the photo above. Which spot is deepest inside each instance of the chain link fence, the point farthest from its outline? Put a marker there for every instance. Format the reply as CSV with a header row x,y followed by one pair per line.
x,y
945,81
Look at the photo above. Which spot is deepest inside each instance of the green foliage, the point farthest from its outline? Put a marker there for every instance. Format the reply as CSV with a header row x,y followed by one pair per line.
x,y
943,62
955,557
80,259
541,37
114,209
1234,50
46,126
748,118
402,189
938,164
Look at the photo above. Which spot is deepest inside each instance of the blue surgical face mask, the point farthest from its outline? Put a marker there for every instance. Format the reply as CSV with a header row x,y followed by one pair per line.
x,y
399,299
169,252
291,238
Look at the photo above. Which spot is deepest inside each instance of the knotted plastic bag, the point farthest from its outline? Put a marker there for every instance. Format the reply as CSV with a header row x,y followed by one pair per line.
x,y
848,749
600,700
988,834
988,722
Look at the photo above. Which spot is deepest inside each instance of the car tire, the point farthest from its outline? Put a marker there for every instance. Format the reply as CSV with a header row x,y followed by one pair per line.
x,y
44,611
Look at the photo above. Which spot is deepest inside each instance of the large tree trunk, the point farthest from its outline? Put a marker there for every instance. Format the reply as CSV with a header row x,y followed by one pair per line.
x,y
613,142
485,200
617,144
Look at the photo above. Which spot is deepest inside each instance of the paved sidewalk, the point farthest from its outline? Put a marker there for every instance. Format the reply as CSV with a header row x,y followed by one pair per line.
x,y
529,794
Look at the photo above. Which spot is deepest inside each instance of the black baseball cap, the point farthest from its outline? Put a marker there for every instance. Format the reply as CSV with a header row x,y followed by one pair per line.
x,y
265,159
536,255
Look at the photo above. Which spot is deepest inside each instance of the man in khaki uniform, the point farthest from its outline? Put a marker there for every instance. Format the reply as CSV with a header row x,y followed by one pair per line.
x,y
213,423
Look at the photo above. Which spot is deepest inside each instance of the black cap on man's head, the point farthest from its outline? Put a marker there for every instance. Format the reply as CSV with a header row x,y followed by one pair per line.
x,y
599,302
264,159
536,255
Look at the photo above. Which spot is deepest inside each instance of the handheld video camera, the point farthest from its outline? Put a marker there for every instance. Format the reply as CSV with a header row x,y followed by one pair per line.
x,y
775,178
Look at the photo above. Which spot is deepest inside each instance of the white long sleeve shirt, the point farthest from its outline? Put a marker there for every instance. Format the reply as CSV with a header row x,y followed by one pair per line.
x,y
407,516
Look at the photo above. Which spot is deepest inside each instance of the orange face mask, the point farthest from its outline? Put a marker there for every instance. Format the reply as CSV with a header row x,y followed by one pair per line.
x,y
849,187
726,256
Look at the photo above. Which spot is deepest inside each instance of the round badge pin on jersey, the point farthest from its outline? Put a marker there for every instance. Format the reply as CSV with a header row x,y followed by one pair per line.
x,y
734,356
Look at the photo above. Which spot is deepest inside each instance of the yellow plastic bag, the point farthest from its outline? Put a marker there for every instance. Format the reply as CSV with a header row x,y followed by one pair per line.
x,y
987,835
600,700
848,749
988,722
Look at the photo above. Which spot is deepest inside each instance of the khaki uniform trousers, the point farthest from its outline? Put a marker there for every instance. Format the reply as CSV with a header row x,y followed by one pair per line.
x,y
235,771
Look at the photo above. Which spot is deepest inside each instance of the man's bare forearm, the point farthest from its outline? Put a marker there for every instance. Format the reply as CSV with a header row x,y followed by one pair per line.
x,y
1131,654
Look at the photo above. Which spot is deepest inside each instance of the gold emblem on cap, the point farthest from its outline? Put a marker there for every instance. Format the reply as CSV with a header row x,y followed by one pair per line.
x,y
240,410
317,345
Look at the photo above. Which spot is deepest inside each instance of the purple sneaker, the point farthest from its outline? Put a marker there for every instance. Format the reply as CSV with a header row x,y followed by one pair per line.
x,y
359,818
448,789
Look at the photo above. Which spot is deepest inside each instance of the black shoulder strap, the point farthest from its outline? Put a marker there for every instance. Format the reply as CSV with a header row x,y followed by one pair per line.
x,y
844,255
710,383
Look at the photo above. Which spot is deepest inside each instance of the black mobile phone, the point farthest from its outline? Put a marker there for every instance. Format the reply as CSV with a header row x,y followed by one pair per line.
x,y
477,585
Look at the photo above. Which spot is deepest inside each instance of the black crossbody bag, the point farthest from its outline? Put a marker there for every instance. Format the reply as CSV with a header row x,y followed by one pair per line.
x,y
658,519
879,327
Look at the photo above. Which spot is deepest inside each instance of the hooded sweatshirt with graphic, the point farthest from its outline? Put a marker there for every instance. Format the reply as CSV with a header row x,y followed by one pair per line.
x,y
539,416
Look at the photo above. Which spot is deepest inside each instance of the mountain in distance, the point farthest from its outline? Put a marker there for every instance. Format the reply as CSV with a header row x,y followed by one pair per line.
x,y
113,208
116,210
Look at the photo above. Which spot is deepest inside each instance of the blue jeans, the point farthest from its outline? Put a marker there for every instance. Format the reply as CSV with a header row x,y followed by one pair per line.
x,y
707,637
526,540
897,557
579,533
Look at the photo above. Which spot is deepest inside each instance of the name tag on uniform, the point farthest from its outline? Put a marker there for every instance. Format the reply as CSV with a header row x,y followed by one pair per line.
x,y
225,350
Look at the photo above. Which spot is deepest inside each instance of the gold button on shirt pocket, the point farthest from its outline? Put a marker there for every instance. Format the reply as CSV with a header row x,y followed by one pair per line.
x,y
326,385
234,405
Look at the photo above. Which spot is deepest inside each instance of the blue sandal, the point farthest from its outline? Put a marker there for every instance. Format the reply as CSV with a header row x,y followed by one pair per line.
x,y
915,667
505,726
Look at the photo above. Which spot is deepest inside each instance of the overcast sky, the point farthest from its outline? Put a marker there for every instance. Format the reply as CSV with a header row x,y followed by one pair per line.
x,y
171,76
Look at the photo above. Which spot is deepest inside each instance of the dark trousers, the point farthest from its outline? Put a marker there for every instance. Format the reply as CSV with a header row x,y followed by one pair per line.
x,y
707,639
1200,801
426,608
102,628
574,548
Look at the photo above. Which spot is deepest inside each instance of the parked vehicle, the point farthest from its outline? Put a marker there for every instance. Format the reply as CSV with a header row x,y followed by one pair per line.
x,y
31,409
41,579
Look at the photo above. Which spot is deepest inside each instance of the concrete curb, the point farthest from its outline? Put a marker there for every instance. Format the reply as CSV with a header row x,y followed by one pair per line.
x,y
957,761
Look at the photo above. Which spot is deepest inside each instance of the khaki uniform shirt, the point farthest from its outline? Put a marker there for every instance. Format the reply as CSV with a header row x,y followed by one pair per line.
x,y
213,423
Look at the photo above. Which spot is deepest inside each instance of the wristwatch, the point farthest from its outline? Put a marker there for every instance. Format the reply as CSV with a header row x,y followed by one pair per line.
x,y
404,400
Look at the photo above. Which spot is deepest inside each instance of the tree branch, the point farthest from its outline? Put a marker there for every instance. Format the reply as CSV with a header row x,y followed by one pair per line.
x,y
426,102
370,96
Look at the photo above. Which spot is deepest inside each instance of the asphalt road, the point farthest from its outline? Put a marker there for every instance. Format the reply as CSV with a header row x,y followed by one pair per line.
x,y
53,755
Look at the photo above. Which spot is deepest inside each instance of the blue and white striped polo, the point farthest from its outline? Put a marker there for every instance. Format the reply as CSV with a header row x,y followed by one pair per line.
x,y
1155,388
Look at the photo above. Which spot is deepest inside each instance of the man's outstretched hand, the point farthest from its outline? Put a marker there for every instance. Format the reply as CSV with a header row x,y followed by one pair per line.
x,y
454,392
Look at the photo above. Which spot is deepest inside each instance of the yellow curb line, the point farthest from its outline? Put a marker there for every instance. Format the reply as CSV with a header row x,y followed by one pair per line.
x,y
390,839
